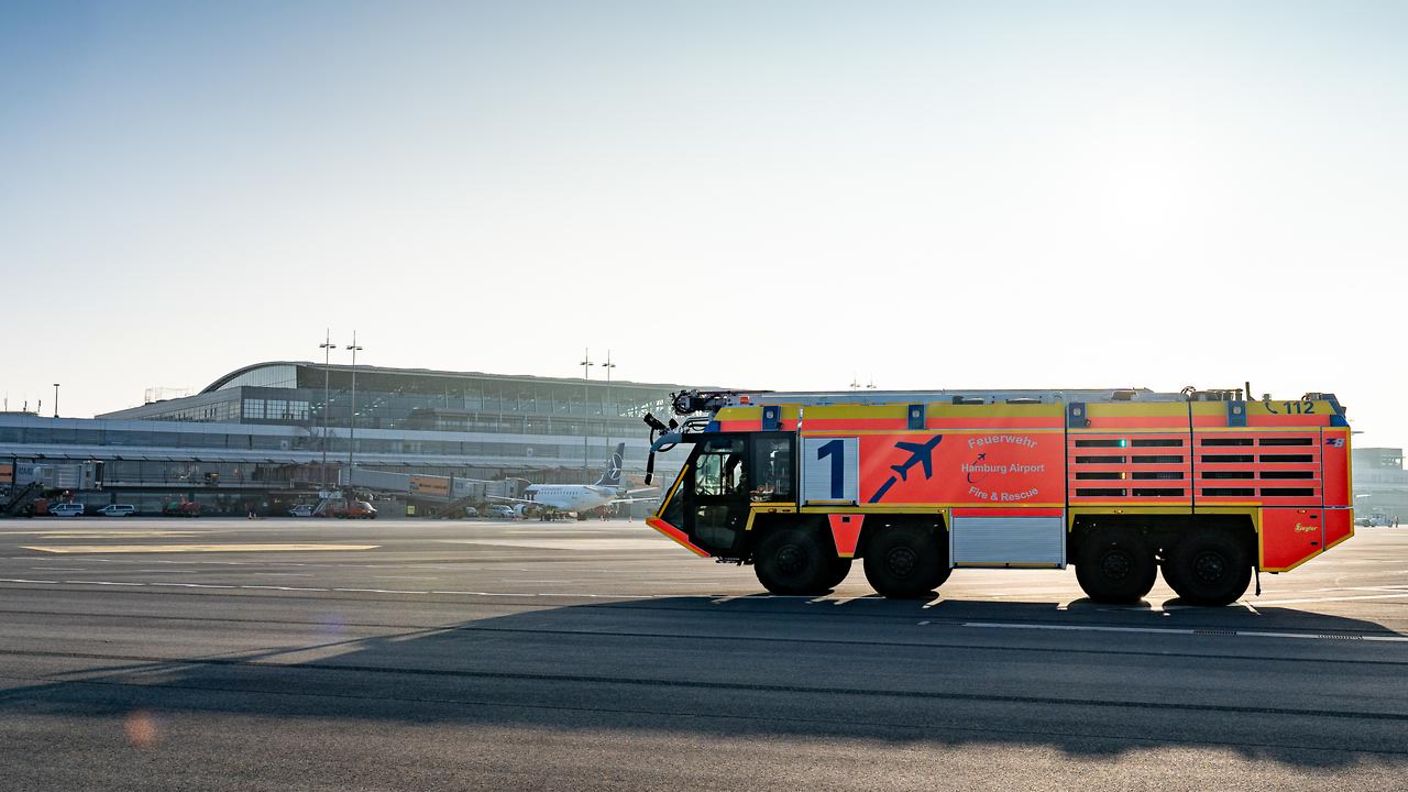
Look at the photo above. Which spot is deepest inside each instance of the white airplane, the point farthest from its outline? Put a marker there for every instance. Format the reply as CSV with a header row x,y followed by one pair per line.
x,y
582,498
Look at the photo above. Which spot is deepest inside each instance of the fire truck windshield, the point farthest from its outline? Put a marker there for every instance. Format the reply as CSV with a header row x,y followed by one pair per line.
x,y
719,468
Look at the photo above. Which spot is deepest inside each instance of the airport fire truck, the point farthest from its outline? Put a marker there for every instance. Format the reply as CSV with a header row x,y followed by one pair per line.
x,y
1206,487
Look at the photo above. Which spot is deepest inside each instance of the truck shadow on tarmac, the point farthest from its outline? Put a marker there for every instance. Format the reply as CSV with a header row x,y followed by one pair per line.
x,y
1288,686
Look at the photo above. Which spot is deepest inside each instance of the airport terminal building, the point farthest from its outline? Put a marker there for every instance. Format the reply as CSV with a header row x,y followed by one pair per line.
x,y
1380,484
271,433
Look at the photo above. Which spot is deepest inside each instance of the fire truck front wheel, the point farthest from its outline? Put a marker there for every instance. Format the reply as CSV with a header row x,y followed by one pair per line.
x,y
1115,566
794,561
905,561
1209,567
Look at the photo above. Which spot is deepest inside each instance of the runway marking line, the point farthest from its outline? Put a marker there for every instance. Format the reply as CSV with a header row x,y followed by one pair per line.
x,y
1230,633
197,548
1308,600
340,589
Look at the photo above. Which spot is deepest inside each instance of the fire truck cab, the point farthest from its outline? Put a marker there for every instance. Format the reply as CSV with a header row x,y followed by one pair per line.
x,y
1205,486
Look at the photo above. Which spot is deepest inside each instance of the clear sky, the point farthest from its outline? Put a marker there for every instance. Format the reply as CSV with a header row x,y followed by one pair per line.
x,y
768,194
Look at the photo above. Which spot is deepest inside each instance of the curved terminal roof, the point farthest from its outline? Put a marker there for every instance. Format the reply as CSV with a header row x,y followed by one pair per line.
x,y
286,373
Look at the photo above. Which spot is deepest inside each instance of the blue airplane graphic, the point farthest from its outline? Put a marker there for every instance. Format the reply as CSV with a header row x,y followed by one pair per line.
x,y
919,453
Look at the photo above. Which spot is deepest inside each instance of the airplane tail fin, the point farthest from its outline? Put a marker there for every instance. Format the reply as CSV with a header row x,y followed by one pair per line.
x,y
611,476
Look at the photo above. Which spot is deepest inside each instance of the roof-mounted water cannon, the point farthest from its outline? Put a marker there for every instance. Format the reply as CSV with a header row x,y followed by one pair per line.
x,y
688,402
662,438
658,427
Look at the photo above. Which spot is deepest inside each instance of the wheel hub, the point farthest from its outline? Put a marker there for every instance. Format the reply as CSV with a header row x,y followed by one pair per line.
x,y
1209,567
1116,564
791,559
902,561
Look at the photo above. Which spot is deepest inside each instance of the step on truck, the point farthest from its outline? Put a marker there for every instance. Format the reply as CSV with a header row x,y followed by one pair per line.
x,y
1205,487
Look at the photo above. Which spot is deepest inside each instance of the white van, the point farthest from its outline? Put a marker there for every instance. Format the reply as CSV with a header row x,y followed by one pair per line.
x,y
66,509
118,510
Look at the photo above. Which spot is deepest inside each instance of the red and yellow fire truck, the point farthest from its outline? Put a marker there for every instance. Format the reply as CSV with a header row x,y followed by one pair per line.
x,y
1205,486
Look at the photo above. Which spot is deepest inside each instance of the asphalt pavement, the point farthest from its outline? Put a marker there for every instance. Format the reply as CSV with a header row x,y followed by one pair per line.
x,y
417,654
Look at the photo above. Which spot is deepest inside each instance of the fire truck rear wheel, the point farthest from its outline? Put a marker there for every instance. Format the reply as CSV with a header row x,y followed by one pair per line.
x,y
904,562
793,561
1209,567
1115,566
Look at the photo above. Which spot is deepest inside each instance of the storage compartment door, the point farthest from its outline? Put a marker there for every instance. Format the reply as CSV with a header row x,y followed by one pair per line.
x,y
1290,537
1008,538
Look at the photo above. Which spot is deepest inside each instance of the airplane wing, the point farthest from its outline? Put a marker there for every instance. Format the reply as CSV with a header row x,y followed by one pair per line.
x,y
508,499
640,490
650,499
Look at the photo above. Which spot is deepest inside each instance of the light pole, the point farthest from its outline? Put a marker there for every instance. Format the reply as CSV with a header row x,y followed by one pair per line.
x,y
586,365
56,400
352,428
607,413
326,346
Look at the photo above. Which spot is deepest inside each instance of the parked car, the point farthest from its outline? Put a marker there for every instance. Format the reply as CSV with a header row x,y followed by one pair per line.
x,y
470,511
118,510
301,510
501,512
66,509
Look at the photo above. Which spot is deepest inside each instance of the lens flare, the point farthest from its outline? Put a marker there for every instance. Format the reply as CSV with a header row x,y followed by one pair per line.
x,y
141,729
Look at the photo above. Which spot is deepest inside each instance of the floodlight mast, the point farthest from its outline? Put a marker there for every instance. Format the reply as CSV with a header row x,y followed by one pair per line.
x,y
352,428
327,347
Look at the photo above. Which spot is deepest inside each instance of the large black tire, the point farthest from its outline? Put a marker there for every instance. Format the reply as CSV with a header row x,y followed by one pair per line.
x,y
840,568
1209,567
941,574
904,562
1115,566
793,561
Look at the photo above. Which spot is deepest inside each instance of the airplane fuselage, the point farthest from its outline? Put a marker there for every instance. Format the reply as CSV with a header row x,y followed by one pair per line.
x,y
571,497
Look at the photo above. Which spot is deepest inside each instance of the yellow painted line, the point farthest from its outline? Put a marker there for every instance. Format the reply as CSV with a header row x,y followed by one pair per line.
x,y
197,548
99,534
577,544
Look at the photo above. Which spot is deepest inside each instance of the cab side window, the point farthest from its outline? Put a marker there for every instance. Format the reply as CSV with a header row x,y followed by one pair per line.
x,y
772,470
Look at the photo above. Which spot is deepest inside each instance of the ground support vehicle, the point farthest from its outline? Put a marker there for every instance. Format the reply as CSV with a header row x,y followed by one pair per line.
x,y
22,501
348,510
181,508
1204,486
118,510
